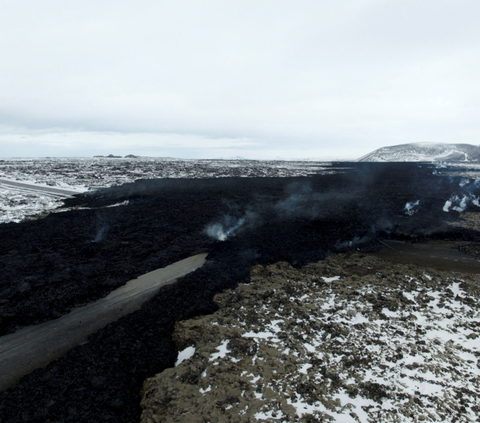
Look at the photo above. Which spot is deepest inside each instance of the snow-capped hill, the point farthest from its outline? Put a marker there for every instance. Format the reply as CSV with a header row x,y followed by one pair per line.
x,y
425,152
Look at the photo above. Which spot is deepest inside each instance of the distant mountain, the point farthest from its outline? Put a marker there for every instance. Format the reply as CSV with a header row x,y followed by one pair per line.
x,y
425,152
110,156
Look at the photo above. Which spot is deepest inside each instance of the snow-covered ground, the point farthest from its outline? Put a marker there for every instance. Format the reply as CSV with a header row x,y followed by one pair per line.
x,y
81,174
105,172
16,205
351,339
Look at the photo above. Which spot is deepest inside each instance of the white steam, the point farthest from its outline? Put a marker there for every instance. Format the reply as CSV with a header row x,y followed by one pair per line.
x,y
411,207
460,204
301,201
446,207
99,235
221,231
346,245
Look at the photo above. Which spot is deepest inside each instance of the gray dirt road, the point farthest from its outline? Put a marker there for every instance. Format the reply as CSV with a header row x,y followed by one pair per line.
x,y
54,192
36,346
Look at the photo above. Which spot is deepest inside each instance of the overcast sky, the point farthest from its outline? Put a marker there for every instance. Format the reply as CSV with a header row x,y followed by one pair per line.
x,y
256,79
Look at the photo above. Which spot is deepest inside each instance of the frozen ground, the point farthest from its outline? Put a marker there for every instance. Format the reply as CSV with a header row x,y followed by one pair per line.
x,y
16,205
350,339
81,174
105,172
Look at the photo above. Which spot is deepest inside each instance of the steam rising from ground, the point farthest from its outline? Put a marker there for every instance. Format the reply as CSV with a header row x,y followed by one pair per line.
x,y
347,245
303,202
411,207
301,199
99,235
300,202
221,231
460,204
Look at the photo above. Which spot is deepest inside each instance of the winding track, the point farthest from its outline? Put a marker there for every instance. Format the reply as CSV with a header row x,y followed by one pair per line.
x,y
36,346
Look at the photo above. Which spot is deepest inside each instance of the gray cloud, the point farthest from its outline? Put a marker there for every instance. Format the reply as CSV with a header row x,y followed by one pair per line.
x,y
296,79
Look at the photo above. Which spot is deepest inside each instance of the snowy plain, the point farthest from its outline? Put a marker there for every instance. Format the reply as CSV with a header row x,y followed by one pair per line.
x,y
82,174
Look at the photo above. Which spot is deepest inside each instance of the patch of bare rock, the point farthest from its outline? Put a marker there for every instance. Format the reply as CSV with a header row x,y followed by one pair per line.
x,y
351,339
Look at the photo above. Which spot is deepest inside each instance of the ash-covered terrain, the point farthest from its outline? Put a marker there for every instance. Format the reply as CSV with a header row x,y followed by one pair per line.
x,y
71,258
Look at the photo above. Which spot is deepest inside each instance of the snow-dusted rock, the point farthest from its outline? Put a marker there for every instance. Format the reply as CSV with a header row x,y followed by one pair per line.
x,y
425,152
350,339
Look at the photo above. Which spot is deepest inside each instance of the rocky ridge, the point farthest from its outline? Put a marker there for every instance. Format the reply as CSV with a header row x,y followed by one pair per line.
x,y
425,152
352,339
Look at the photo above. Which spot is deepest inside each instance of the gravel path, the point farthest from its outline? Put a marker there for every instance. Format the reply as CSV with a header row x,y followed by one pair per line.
x,y
55,192
36,346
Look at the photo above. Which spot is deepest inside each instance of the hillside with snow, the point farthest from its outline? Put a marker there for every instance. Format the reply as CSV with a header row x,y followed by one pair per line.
x,y
425,152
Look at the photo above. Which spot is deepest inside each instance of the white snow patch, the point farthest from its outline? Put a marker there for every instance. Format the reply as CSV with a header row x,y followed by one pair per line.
x,y
222,351
185,355
204,391
331,279
304,367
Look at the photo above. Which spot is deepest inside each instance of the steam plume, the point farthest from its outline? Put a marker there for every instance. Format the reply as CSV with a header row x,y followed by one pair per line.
x,y
221,231
347,245
460,204
411,207
99,235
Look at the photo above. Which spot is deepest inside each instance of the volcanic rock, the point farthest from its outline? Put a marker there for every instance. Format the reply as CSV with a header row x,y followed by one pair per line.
x,y
321,343
109,236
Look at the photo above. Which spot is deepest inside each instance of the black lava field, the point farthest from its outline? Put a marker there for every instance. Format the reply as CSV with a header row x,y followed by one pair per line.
x,y
74,257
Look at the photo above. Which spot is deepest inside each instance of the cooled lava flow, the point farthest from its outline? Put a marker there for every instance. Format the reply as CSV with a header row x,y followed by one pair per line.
x,y
51,265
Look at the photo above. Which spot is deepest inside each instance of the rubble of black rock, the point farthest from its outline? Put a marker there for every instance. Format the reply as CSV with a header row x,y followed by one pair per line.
x,y
68,259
